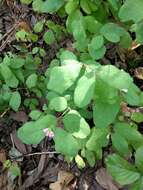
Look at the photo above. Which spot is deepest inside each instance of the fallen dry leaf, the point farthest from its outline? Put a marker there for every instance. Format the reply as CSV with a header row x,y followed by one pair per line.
x,y
64,178
139,73
20,116
24,149
3,176
105,180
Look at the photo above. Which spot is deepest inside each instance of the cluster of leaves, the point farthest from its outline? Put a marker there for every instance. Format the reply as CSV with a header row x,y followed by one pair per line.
x,y
78,88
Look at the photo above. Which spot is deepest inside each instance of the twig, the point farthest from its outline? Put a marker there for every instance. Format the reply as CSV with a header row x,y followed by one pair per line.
x,y
40,153
4,112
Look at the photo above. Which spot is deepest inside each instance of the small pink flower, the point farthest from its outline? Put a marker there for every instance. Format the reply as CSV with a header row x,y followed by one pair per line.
x,y
48,133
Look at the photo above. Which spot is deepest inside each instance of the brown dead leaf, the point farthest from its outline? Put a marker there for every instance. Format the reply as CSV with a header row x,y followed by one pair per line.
x,y
35,176
3,175
20,116
24,149
64,178
25,26
105,180
139,73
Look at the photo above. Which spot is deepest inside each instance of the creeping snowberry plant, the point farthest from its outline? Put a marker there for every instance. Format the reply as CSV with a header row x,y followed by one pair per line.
x,y
86,101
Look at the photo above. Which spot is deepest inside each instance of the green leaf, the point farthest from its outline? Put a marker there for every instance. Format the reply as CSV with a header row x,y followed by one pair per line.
x,y
129,133
92,25
31,81
47,6
8,76
138,185
49,37
38,27
97,42
105,110
90,156
123,172
65,143
85,6
71,6
62,78
98,139
114,77
32,132
96,53
76,125
84,90
139,159
58,104
131,10
67,55
35,114
139,32
15,101
120,144
29,134
126,40
112,32
137,117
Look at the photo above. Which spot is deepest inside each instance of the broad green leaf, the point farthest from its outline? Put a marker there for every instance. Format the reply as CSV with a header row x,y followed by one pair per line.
x,y
29,134
98,139
47,121
120,144
92,25
112,32
85,6
97,42
131,10
125,40
96,53
16,62
49,37
90,156
114,77
104,113
67,55
129,133
138,185
132,95
47,6
15,101
35,114
8,76
104,92
58,104
71,6
123,172
65,143
32,132
76,125
31,81
62,78
137,117
139,159
84,90
139,32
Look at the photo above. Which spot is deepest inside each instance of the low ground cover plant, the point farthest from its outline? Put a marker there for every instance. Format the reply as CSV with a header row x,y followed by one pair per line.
x,y
85,105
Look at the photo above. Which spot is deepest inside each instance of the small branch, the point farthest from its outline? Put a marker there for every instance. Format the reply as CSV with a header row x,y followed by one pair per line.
x,y
40,153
